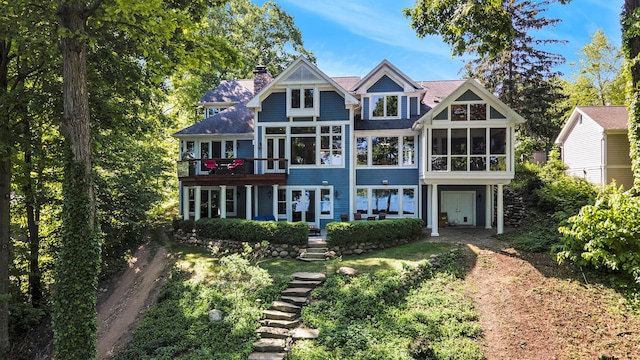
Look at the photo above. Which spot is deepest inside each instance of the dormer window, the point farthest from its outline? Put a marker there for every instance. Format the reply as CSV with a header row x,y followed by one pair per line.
x,y
384,106
303,101
208,112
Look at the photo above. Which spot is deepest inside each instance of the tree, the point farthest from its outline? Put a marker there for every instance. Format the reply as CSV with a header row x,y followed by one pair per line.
x,y
166,38
630,20
600,64
508,62
263,34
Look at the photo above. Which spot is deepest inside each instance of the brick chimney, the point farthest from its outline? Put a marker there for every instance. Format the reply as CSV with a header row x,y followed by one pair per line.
x,y
261,78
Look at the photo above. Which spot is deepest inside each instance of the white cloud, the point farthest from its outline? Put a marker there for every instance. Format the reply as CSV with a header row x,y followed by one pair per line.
x,y
381,23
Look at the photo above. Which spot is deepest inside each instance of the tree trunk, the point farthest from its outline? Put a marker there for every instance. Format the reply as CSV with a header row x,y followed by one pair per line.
x,y
5,201
631,47
74,310
33,217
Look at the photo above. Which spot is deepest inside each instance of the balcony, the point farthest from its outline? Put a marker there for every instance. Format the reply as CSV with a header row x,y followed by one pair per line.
x,y
233,172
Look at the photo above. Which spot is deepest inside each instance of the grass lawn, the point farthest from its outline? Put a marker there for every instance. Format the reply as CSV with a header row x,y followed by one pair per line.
x,y
385,311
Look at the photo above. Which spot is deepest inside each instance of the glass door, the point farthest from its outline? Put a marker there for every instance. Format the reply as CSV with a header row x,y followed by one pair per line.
x,y
303,206
276,149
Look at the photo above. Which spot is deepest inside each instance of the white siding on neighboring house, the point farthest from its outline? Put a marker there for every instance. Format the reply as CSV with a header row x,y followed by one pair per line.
x,y
618,162
582,150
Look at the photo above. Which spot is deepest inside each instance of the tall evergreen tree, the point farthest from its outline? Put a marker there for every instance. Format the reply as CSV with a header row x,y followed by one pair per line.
x,y
509,61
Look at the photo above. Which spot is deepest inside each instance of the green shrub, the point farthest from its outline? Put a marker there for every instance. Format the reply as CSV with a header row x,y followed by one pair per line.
x,y
277,232
383,231
606,234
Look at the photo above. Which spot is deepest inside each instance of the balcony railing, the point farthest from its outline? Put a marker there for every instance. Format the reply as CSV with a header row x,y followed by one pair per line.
x,y
233,166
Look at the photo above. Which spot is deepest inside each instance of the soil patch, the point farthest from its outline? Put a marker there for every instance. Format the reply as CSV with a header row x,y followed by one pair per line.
x,y
532,308
122,305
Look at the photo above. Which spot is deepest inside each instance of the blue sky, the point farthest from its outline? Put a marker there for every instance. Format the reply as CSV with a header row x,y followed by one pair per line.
x,y
350,37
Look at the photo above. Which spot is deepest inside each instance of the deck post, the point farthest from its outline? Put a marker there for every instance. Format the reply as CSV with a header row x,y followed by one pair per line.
x,y
500,211
223,202
434,210
249,210
488,195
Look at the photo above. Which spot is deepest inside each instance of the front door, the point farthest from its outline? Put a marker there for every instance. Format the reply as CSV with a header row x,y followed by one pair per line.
x,y
459,206
304,206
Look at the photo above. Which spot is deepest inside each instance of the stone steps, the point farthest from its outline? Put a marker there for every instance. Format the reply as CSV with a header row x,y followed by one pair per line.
x,y
299,292
281,324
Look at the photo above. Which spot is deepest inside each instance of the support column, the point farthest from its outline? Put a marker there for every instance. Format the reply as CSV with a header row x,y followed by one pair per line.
x,y
274,197
223,201
185,203
197,196
248,196
500,211
434,210
429,209
488,195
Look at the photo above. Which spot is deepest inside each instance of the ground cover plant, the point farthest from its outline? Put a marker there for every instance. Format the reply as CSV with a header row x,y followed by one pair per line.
x,y
417,312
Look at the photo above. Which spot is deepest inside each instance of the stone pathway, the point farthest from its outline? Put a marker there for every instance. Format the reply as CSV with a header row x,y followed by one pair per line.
x,y
281,325
316,250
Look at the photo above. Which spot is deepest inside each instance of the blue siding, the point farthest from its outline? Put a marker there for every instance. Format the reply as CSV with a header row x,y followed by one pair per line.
x,y
396,177
385,84
413,105
403,110
365,109
245,148
332,107
274,108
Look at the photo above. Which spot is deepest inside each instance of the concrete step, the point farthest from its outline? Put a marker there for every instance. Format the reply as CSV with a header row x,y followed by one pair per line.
x,y
297,300
317,249
285,306
279,315
310,276
269,332
285,324
307,259
314,255
304,333
266,356
302,292
304,284
269,345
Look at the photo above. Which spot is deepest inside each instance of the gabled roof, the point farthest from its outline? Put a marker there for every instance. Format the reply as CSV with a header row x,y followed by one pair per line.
x,y
475,86
607,117
235,120
436,91
385,68
346,82
229,91
304,72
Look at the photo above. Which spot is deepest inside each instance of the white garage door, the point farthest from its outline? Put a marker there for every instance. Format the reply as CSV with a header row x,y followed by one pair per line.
x,y
460,207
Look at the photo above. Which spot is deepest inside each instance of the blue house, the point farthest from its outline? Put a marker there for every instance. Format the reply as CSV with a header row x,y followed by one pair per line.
x,y
308,147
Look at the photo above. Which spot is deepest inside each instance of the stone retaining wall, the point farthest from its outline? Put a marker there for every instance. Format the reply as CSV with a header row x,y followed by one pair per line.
x,y
281,251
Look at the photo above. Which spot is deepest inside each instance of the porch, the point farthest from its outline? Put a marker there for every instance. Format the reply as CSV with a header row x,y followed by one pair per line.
x,y
233,171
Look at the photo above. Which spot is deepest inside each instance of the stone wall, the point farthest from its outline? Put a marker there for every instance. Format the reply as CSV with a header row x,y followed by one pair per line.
x,y
281,251
515,209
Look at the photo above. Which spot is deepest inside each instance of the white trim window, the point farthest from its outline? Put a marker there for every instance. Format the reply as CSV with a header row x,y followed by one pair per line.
x,y
303,141
384,106
468,149
394,201
386,151
303,101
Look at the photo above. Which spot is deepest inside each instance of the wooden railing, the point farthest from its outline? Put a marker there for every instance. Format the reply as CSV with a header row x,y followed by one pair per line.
x,y
232,166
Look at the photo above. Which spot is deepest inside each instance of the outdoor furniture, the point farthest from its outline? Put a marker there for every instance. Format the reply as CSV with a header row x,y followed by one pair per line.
x,y
371,218
382,215
357,216
314,230
211,165
270,218
259,218
344,217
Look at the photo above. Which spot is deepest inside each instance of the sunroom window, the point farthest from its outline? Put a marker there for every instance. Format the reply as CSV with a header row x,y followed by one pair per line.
x,y
468,112
469,149
385,151
384,106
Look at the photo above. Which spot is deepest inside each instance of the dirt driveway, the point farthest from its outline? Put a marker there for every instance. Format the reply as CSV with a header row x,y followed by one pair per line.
x,y
532,308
